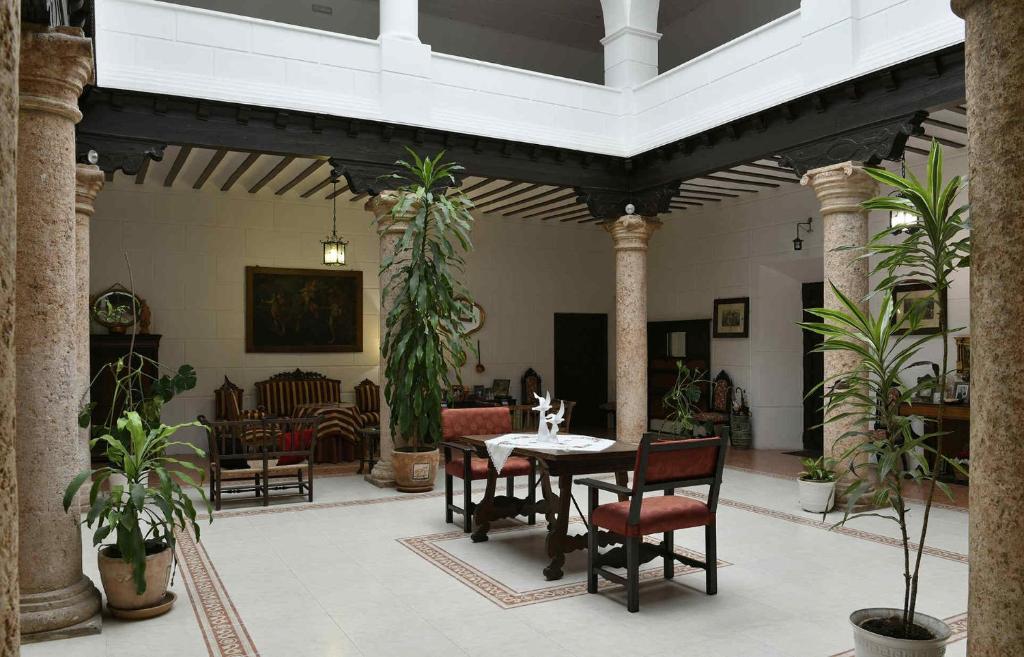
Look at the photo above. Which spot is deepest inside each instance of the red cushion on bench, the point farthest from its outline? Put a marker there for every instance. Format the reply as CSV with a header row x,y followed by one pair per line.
x,y
290,442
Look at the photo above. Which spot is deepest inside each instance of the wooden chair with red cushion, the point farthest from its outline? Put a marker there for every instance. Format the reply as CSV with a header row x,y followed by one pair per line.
x,y
660,465
460,460
720,406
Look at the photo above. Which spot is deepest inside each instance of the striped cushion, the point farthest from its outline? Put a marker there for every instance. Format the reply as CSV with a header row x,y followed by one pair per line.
x,y
281,396
368,397
369,419
336,421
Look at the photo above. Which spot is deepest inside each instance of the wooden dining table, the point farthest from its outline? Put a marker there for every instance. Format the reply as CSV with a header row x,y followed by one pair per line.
x,y
618,458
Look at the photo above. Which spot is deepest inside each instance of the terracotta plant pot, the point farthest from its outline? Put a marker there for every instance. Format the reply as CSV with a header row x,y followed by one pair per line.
x,y
116,576
414,471
817,496
869,644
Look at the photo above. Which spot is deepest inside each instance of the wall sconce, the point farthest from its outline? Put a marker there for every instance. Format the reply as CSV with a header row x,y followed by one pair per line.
x,y
334,246
798,244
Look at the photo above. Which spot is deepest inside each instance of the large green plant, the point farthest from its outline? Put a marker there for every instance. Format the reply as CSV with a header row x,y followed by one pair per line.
x,y
143,518
881,462
424,343
681,401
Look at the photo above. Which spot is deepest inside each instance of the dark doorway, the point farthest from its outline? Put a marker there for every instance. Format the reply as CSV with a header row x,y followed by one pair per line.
x,y
581,366
814,372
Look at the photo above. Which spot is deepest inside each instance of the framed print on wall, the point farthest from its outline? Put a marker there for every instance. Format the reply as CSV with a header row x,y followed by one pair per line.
x,y
732,318
303,310
922,297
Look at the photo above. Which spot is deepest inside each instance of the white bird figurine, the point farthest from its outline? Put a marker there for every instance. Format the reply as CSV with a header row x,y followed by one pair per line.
x,y
542,407
555,419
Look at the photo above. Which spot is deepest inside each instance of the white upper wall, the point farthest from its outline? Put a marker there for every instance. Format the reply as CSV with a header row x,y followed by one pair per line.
x,y
151,46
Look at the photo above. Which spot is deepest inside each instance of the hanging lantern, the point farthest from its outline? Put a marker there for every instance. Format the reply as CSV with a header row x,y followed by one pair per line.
x,y
334,246
798,243
902,221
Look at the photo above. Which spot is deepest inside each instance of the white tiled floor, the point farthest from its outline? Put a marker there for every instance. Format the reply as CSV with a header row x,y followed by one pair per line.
x,y
333,580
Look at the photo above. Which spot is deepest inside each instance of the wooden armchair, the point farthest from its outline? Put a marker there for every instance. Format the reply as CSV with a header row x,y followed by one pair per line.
x,y
660,466
257,456
719,411
368,403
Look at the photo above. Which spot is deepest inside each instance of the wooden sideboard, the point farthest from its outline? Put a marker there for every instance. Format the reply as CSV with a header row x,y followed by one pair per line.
x,y
957,418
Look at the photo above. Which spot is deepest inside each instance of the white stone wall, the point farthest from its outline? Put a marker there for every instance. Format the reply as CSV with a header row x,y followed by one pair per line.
x,y
156,47
188,252
743,247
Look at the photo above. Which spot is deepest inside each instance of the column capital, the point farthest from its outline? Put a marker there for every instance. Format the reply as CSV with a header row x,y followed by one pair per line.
x,y
632,232
382,206
961,7
56,64
841,187
88,183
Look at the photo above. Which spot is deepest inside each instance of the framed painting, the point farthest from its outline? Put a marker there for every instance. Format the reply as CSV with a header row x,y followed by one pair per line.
x,y
732,318
303,310
921,298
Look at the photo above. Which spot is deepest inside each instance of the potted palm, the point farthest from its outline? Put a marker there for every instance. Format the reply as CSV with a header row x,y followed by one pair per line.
x,y
817,484
887,459
424,343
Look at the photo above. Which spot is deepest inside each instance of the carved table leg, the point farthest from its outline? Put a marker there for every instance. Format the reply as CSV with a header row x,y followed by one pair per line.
x,y
485,509
550,499
556,539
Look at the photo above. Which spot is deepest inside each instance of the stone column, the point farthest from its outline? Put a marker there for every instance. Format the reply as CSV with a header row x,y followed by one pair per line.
x,y
400,19
57,600
88,182
9,38
631,233
841,188
995,87
392,226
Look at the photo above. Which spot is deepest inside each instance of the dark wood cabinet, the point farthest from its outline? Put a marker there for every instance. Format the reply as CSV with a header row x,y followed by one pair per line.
x,y
104,349
661,365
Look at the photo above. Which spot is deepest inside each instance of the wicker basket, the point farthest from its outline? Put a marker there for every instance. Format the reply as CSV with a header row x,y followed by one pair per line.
x,y
741,434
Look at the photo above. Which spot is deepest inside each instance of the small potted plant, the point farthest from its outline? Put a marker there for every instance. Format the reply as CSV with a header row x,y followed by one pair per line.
x,y
424,345
681,401
817,484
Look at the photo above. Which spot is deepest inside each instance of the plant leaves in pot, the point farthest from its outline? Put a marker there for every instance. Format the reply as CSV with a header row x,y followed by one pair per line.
x,y
879,452
817,484
141,517
424,345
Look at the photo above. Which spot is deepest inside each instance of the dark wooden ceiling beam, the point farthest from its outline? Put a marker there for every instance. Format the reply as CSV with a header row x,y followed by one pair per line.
x,y
762,176
140,177
946,125
771,167
942,140
317,187
492,192
273,173
249,160
543,214
719,187
505,197
305,173
546,202
179,162
575,217
707,191
210,167
532,197
698,198
756,183
357,197
914,149
341,190
475,186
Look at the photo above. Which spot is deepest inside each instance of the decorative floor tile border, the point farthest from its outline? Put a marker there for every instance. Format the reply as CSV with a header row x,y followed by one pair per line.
x,y
958,624
222,628
430,549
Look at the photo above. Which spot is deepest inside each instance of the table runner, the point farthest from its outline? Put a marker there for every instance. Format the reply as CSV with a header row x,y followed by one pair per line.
x,y
501,447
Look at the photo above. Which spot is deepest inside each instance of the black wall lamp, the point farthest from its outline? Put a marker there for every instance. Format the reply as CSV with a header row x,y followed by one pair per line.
x,y
798,244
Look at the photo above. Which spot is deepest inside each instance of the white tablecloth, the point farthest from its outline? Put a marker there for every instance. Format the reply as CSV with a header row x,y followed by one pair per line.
x,y
500,448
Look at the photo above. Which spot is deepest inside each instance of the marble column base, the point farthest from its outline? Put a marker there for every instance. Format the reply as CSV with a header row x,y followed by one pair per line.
x,y
68,612
382,476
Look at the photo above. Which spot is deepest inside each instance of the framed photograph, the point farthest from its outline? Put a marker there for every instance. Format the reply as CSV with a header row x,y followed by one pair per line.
x,y
479,391
475,321
919,297
500,387
963,392
303,310
732,318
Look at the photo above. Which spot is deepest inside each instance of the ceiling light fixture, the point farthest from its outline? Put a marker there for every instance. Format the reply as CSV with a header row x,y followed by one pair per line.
x,y
334,246
903,221
798,244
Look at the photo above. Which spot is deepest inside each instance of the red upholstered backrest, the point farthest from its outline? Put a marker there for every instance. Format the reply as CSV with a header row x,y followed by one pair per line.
x,y
456,422
698,462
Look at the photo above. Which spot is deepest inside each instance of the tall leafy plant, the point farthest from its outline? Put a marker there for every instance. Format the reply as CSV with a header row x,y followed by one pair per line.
x,y
681,401
881,462
424,343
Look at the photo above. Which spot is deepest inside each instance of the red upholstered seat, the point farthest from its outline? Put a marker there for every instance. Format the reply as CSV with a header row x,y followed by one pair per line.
x,y
657,515
458,422
711,416
515,466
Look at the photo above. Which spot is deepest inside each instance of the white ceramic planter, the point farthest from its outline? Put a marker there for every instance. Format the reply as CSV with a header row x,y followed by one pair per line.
x,y
869,644
817,496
